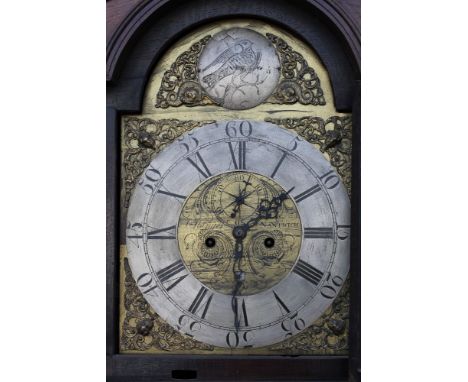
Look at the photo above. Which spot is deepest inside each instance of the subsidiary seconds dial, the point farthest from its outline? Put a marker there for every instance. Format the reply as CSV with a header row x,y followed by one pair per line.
x,y
238,234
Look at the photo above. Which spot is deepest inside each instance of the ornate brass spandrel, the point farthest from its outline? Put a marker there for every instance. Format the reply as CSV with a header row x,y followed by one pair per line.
x,y
332,136
142,138
299,82
211,213
143,331
179,84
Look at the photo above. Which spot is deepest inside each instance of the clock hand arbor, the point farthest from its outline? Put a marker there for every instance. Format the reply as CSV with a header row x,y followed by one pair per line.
x,y
240,200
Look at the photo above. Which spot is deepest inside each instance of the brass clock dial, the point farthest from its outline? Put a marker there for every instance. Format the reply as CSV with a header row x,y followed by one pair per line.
x,y
238,234
230,201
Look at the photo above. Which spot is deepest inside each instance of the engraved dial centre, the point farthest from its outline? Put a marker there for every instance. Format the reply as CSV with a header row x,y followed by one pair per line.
x,y
235,210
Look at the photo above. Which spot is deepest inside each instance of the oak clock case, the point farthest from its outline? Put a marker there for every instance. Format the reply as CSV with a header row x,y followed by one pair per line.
x,y
237,224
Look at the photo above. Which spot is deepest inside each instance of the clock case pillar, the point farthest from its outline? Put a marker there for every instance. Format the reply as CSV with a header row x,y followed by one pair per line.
x,y
135,47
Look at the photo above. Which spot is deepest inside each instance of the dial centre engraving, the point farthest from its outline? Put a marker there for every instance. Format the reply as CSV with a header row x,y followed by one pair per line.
x,y
253,228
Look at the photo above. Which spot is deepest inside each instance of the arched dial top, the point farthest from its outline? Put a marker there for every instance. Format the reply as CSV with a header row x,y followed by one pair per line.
x,y
264,208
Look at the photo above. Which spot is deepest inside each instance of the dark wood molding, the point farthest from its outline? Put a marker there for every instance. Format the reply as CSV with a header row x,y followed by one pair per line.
x,y
112,230
355,266
218,368
141,12
116,12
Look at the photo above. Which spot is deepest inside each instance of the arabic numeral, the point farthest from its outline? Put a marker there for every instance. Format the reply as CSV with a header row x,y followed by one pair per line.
x,y
134,231
146,283
292,325
150,176
234,339
343,231
187,324
330,290
294,143
243,128
330,180
188,142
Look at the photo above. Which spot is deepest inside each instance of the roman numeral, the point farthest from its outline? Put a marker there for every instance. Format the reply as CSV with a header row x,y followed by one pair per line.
x,y
168,273
307,193
172,194
242,312
308,272
205,171
278,165
281,304
146,283
239,164
318,233
330,180
198,303
343,231
154,234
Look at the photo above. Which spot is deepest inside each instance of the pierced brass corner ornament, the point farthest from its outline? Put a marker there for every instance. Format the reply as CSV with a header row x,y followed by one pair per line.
x,y
299,82
180,85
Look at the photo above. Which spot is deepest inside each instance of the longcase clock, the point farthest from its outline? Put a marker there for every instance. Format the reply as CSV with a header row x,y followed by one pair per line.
x,y
232,224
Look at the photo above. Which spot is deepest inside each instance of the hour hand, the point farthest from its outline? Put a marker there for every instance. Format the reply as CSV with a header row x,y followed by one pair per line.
x,y
268,209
